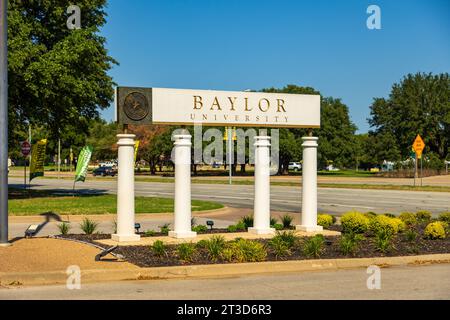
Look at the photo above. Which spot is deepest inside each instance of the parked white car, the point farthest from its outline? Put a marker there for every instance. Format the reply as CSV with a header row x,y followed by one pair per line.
x,y
294,166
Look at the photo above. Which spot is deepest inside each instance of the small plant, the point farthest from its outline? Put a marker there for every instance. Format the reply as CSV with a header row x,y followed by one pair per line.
x,y
445,216
313,246
392,225
273,222
200,228
278,226
286,220
241,226
215,246
232,228
88,226
325,220
408,218
242,250
149,233
247,221
186,251
383,240
435,230
354,222
64,228
411,235
279,247
164,229
349,243
287,237
159,248
423,216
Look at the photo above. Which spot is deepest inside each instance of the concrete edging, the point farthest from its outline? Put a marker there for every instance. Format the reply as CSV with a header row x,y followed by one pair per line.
x,y
216,270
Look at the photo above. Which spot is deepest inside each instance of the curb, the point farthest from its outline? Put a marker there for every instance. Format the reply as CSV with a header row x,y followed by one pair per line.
x,y
216,270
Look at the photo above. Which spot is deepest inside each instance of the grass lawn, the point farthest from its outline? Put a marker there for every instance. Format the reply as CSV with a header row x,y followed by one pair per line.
x,y
94,204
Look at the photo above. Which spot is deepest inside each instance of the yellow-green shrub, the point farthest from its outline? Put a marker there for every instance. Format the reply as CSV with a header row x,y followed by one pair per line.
x,y
385,223
435,230
423,215
325,220
445,216
408,218
354,222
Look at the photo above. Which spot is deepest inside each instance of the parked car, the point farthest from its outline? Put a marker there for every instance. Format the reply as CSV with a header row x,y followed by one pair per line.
x,y
294,166
331,168
104,171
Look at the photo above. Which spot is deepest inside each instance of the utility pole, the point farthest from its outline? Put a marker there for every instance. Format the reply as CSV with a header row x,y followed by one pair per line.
x,y
3,124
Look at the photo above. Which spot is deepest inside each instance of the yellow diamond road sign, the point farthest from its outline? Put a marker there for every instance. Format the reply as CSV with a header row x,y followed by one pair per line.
x,y
418,145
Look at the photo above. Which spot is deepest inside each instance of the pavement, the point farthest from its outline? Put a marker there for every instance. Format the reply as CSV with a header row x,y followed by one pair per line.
x,y
400,282
283,198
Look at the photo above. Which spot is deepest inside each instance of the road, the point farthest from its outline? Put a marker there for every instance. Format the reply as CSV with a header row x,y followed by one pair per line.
x,y
411,282
283,198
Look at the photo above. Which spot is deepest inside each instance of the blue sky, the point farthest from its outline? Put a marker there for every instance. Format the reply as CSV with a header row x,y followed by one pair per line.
x,y
239,45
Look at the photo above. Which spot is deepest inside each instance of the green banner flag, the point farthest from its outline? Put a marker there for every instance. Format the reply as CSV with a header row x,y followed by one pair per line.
x,y
83,163
37,159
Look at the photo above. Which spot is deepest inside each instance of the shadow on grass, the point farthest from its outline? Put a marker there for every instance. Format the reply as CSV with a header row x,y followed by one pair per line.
x,y
16,191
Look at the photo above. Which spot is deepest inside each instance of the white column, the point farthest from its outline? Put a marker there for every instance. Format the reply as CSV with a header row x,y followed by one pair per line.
x,y
125,190
182,154
261,215
309,186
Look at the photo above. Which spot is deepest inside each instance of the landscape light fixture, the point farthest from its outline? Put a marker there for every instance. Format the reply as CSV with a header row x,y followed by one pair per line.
x,y
32,230
137,226
210,223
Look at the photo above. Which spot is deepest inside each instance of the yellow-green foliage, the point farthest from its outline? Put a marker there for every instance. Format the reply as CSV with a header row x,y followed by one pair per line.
x,y
445,216
408,218
385,223
354,222
325,220
423,215
243,250
435,230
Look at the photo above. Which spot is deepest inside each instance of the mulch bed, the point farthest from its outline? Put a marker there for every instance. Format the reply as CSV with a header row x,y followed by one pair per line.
x,y
143,256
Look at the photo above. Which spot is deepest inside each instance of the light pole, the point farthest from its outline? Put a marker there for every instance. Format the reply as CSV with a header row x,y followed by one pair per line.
x,y
3,124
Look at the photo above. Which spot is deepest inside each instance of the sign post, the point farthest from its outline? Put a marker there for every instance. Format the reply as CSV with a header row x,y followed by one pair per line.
x,y
26,148
418,147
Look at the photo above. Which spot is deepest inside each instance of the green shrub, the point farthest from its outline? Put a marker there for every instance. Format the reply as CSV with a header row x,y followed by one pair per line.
x,y
149,233
64,228
232,228
159,248
393,225
247,221
370,214
164,229
313,246
200,228
278,226
273,221
383,240
88,226
423,216
215,246
349,243
325,220
411,235
241,226
243,250
354,222
408,218
287,237
435,230
286,220
202,243
445,216
186,251
279,247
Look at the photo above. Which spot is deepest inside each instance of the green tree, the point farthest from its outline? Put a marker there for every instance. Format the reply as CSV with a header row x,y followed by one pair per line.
x,y
419,104
57,77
